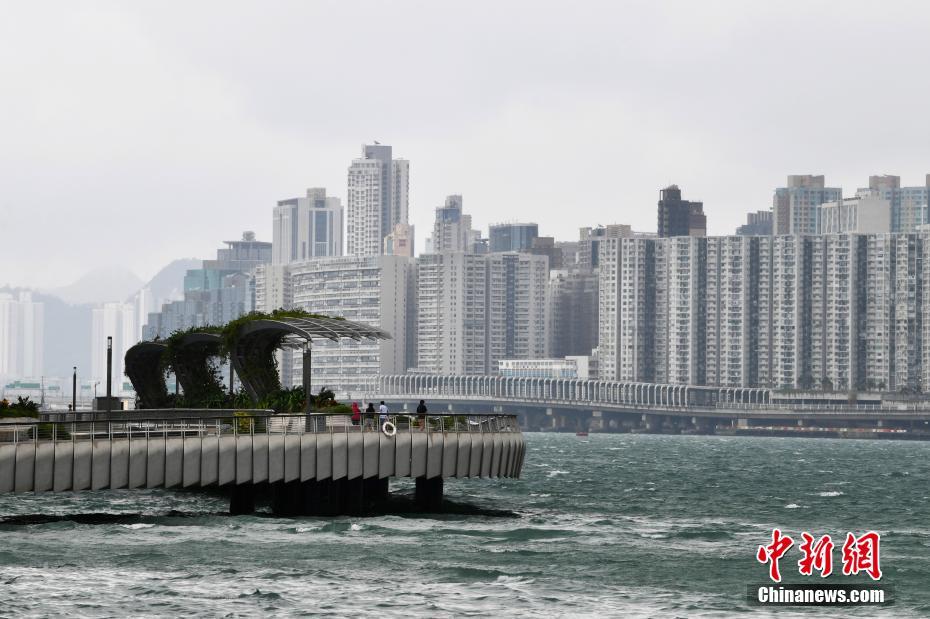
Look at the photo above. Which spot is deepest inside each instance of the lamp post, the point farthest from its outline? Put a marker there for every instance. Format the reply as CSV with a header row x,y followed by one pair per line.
x,y
74,391
109,373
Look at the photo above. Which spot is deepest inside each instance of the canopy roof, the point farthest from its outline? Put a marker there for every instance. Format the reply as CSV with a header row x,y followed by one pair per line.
x,y
253,345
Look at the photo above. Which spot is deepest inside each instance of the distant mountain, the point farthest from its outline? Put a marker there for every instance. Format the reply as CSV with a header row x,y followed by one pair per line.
x,y
104,285
168,283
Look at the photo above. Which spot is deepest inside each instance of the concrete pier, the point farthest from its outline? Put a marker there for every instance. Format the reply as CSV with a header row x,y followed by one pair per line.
x,y
330,469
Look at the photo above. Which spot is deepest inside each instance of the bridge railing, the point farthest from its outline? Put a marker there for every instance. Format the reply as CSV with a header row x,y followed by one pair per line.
x,y
209,424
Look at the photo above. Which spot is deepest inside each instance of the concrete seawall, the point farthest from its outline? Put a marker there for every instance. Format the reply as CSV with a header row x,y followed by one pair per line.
x,y
166,461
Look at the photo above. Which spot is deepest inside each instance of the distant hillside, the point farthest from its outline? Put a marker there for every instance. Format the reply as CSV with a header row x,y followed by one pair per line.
x,y
105,285
68,310
168,283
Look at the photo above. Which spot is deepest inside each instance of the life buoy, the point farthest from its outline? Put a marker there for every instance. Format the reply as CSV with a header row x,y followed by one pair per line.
x,y
388,428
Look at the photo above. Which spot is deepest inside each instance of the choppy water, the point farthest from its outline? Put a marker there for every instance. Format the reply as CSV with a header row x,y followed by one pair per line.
x,y
619,525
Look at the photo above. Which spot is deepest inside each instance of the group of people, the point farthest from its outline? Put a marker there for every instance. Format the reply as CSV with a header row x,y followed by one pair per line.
x,y
382,412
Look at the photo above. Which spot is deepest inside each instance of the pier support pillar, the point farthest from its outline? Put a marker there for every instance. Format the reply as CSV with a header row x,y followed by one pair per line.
x,y
287,498
310,498
429,494
242,500
329,498
353,496
376,491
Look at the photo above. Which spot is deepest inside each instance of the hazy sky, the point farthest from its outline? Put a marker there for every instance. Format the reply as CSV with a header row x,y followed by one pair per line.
x,y
133,133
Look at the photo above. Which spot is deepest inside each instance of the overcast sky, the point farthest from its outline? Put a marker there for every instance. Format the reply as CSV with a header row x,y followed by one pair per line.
x,y
134,133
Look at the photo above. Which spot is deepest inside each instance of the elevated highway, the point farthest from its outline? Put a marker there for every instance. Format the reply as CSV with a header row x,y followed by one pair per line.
x,y
557,403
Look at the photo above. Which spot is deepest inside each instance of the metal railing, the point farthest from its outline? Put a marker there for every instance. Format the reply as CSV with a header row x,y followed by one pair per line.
x,y
209,424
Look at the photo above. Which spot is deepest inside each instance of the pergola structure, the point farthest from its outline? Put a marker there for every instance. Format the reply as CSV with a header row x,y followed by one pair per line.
x,y
194,370
143,367
256,342
252,355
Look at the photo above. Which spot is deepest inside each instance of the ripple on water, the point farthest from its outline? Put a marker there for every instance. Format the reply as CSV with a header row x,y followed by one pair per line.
x,y
625,525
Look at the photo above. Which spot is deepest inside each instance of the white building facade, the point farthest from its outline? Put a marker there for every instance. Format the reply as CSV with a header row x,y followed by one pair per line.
x,y
373,290
839,312
308,227
22,336
377,198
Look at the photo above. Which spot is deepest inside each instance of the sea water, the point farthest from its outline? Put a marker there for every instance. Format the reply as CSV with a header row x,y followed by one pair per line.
x,y
609,525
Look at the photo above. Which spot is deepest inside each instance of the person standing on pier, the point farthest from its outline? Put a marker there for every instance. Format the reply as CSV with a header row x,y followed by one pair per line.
x,y
421,411
370,414
383,412
356,414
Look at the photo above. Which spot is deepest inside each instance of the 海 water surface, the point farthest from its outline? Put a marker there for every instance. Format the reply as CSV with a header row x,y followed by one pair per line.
x,y
616,525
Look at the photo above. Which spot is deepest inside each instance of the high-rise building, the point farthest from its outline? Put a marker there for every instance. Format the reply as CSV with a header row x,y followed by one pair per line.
x,y
796,208
22,336
377,199
473,310
273,289
218,292
305,228
627,309
589,240
839,312
910,206
757,224
546,246
400,241
679,217
516,306
452,313
732,310
681,268
863,214
452,229
373,290
512,237
571,308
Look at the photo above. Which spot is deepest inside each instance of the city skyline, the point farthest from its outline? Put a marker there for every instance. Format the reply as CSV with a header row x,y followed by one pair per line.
x,y
196,134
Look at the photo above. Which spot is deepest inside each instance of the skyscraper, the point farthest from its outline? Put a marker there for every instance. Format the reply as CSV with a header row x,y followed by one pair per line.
x,y
512,237
220,291
305,228
22,336
452,228
679,217
373,290
400,241
910,206
473,310
377,199
757,224
796,208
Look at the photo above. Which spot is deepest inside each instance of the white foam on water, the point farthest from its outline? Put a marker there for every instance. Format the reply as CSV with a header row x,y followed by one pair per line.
x,y
138,525
554,473
792,506
830,493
